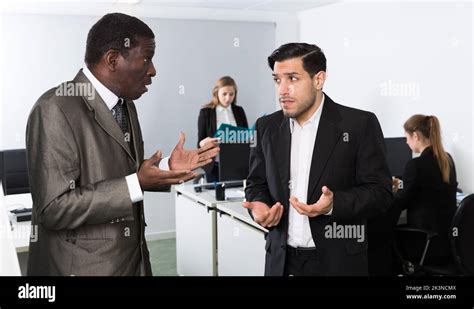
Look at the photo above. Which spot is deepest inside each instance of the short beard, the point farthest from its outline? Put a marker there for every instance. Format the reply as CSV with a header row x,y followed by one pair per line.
x,y
303,107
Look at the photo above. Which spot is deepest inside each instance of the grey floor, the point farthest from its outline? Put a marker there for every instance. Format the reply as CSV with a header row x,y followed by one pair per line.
x,y
162,257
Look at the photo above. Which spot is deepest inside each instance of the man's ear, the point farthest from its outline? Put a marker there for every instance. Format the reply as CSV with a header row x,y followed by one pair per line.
x,y
319,79
111,58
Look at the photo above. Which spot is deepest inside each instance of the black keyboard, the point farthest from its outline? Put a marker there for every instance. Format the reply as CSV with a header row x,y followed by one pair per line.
x,y
21,210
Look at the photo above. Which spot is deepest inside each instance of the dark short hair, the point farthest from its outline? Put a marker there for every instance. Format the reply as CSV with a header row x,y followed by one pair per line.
x,y
115,31
312,56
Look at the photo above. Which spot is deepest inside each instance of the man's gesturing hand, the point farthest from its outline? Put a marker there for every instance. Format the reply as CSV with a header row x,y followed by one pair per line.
x,y
183,159
264,215
151,177
321,207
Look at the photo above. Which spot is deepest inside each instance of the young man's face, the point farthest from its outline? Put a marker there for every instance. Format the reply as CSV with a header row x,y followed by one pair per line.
x,y
295,88
136,70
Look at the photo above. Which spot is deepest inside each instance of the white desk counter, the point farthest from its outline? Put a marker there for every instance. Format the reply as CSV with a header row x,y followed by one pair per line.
x,y
21,230
216,237
9,265
237,211
196,234
240,242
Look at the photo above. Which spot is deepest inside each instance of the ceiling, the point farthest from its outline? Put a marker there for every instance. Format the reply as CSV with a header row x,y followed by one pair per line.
x,y
259,5
254,5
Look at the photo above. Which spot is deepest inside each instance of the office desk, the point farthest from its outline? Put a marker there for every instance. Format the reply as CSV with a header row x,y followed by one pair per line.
x,y
9,265
196,234
215,238
240,242
21,230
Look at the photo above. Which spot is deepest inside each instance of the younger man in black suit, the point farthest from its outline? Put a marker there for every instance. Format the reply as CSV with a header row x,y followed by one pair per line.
x,y
317,173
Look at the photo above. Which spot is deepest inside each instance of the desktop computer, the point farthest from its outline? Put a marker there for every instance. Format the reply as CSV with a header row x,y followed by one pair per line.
x,y
233,167
234,161
398,154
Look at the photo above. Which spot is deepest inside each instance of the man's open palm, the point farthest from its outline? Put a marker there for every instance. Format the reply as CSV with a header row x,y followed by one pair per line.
x,y
183,159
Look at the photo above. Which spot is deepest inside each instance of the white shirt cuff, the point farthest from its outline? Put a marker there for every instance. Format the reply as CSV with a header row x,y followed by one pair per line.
x,y
329,213
136,194
164,164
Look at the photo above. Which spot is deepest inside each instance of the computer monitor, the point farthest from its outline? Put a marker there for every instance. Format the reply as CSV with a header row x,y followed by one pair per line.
x,y
398,154
233,161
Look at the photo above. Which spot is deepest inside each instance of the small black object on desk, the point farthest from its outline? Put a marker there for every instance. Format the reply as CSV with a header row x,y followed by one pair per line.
x,y
220,192
228,184
219,187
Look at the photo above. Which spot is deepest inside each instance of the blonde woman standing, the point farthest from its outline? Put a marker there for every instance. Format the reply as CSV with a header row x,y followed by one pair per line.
x,y
222,109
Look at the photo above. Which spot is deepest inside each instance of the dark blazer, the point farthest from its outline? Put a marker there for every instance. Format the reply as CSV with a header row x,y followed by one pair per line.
x,y
349,158
207,121
430,202
77,163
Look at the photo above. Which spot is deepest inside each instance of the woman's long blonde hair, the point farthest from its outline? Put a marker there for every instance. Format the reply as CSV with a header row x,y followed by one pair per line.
x,y
430,128
222,82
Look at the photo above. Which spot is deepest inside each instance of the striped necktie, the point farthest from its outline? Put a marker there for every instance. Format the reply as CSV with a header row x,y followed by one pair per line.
x,y
120,116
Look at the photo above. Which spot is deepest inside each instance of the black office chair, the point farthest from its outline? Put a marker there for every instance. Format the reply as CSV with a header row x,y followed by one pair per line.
x,y
461,237
381,234
14,172
463,234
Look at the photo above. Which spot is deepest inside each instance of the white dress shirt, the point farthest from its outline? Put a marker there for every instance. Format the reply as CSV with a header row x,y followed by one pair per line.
x,y
303,139
110,99
224,115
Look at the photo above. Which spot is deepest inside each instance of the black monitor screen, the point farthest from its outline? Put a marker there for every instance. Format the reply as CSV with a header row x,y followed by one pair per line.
x,y
1,165
233,161
398,154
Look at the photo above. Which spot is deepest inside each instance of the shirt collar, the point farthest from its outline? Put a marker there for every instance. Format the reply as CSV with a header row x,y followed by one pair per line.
x,y
221,108
109,98
315,117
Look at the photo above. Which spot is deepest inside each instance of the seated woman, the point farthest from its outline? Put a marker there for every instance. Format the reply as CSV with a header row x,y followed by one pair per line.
x,y
222,109
429,186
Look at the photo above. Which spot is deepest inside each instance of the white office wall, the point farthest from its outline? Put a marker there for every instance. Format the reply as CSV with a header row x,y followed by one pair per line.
x,y
399,59
286,29
160,211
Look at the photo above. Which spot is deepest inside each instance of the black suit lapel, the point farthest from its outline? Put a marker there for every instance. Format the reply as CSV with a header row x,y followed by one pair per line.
x,y
281,142
213,120
237,115
326,139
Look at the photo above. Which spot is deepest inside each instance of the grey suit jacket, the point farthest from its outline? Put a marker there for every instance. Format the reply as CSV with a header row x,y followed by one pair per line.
x,y
77,162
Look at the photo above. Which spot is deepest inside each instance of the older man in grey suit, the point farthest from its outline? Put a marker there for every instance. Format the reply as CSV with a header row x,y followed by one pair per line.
x,y
85,159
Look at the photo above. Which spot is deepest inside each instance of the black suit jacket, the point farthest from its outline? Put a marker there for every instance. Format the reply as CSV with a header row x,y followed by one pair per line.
x,y
349,158
430,202
207,121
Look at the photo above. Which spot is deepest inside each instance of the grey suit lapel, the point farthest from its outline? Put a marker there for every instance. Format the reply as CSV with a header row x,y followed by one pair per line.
x,y
103,115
